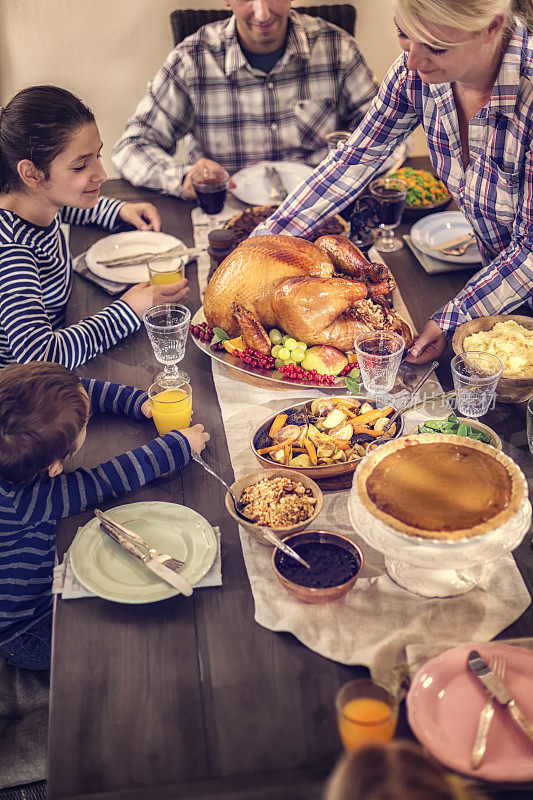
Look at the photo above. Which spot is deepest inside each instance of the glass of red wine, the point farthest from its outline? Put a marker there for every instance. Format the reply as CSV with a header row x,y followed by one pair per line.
x,y
389,196
211,187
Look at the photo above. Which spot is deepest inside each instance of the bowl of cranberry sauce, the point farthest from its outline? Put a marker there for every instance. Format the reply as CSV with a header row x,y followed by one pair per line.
x,y
335,564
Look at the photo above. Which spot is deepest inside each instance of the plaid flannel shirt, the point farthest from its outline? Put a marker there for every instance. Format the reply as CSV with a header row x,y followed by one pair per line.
x,y
236,115
495,192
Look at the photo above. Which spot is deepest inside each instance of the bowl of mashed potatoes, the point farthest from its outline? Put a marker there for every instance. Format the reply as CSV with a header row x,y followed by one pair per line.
x,y
510,338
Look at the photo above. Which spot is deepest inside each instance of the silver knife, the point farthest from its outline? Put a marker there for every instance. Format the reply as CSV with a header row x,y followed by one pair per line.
x,y
499,691
143,258
276,181
166,574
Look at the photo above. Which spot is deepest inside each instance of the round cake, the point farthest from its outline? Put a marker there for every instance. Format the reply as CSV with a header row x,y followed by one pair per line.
x,y
440,486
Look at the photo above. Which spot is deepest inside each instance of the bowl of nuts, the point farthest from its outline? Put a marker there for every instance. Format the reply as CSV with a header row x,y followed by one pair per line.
x,y
277,499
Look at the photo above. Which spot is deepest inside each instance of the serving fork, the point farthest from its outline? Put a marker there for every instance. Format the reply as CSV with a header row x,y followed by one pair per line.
x,y
498,665
163,558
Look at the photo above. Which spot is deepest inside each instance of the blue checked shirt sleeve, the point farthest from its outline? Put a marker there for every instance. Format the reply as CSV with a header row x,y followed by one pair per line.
x,y
104,214
505,283
114,398
342,175
144,154
49,499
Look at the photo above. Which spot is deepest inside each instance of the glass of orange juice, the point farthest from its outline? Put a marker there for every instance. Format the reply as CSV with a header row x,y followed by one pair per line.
x,y
166,269
366,712
171,405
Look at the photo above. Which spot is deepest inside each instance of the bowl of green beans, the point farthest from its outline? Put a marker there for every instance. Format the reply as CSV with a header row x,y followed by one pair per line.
x,y
460,426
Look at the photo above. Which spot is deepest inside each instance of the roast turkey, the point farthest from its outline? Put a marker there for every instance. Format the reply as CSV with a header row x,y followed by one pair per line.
x,y
321,293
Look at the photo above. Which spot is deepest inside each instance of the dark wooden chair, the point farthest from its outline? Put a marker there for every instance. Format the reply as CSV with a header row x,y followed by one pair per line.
x,y
183,22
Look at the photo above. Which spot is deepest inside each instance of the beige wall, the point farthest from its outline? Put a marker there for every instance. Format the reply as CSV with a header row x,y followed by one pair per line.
x,y
106,50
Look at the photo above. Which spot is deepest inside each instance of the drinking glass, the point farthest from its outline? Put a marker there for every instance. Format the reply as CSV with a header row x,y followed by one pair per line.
x,y
165,269
171,405
167,326
389,195
366,712
335,138
379,355
475,377
530,425
211,187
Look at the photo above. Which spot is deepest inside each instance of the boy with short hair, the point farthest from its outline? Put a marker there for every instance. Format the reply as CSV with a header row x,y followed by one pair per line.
x,y
44,410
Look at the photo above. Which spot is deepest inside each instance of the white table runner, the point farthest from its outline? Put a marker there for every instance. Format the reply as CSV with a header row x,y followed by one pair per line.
x,y
378,624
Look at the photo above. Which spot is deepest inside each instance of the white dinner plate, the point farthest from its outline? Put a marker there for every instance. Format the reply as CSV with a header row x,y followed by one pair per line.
x,y
253,187
129,243
431,231
103,567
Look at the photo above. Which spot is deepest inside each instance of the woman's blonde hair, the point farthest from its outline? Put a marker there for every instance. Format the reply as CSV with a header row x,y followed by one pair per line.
x,y
473,16
394,771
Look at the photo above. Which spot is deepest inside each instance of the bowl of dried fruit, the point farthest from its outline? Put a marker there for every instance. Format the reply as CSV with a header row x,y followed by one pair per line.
x,y
243,223
335,564
324,437
277,499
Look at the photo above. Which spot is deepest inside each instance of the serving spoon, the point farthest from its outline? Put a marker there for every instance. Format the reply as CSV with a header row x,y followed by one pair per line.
x,y
266,532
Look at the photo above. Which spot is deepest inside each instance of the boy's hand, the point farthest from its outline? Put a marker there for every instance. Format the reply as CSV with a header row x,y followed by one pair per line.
x,y
143,295
143,216
196,436
146,410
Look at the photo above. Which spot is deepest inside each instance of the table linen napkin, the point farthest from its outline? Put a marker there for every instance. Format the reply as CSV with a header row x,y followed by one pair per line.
x,y
378,624
79,265
433,266
68,586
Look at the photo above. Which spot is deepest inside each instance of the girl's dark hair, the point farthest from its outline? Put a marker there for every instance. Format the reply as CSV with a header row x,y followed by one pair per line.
x,y
37,124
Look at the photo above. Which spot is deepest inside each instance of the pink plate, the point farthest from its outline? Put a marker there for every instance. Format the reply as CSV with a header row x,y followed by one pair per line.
x,y
443,707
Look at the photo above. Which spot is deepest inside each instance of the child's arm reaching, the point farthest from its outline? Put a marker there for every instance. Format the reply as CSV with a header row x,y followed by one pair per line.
x,y
109,214
46,499
115,398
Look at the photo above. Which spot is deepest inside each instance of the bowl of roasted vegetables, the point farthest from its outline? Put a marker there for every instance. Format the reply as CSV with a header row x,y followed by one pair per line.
x,y
326,436
426,192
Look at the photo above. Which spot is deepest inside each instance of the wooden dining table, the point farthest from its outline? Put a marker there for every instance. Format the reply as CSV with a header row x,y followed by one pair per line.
x,y
190,697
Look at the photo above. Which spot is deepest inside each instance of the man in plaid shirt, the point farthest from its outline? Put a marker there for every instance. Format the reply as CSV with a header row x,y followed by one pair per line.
x,y
486,163
267,84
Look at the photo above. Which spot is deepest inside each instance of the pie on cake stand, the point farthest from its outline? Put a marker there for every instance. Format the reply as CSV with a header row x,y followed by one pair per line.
x,y
439,508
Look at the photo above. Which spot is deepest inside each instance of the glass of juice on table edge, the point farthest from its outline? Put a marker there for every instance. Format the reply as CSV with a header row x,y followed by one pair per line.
x,y
165,269
171,405
366,712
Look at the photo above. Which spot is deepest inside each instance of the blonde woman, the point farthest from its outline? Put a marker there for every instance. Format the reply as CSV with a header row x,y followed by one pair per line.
x,y
466,76
394,771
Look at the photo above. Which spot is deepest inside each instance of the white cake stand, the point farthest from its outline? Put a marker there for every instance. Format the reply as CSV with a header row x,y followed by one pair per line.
x,y
434,568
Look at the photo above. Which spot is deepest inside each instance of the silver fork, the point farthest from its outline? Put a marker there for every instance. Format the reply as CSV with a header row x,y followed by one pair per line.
x,y
498,665
163,558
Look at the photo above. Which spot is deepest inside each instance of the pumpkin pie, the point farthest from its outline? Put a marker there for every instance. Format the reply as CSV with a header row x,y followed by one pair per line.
x,y
441,487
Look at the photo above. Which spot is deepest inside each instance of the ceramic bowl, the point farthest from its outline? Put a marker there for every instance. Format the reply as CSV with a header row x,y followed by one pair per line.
x,y
509,390
253,477
495,440
309,594
326,470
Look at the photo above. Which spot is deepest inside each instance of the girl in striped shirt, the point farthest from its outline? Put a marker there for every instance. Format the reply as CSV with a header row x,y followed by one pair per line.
x,y
50,173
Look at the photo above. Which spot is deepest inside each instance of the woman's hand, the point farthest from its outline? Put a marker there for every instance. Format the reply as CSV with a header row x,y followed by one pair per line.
x,y
429,345
143,216
196,436
144,295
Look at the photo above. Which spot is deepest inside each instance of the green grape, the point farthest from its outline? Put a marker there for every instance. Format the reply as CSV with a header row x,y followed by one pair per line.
x,y
284,338
275,350
291,344
275,336
284,353
279,362
301,345
298,355
289,361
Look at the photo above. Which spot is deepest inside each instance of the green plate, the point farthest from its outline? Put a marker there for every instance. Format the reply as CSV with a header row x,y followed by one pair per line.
x,y
108,571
